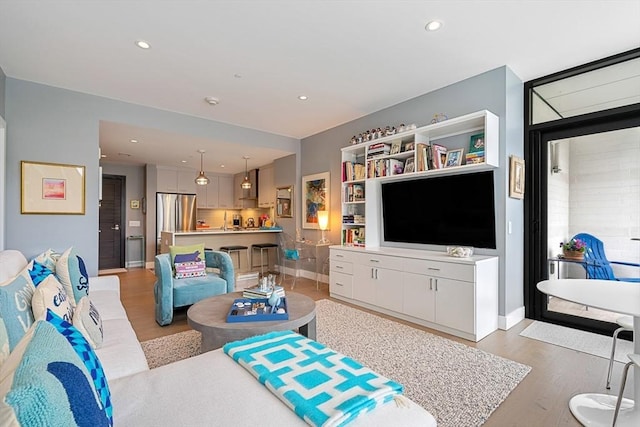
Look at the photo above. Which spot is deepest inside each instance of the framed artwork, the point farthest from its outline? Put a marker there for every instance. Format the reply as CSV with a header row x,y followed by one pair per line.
x,y
454,158
516,177
476,143
51,188
284,202
409,165
315,197
396,146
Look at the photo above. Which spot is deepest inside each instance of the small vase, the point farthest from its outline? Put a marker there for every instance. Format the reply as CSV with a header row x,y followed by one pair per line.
x,y
576,255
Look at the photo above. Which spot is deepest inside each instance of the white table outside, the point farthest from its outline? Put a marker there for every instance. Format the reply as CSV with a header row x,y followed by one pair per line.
x,y
596,409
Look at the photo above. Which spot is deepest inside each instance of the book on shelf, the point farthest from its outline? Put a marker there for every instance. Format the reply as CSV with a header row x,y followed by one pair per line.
x,y
439,155
423,157
358,192
353,236
352,171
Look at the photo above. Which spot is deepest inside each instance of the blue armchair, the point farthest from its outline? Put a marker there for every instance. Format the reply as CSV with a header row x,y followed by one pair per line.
x,y
171,293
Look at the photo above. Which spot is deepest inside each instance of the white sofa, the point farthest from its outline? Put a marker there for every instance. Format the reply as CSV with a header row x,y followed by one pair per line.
x,y
207,390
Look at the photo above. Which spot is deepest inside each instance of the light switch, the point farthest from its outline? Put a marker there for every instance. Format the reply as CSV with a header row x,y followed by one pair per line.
x,y
134,223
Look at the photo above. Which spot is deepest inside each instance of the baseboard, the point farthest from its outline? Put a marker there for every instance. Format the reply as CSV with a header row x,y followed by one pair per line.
x,y
511,319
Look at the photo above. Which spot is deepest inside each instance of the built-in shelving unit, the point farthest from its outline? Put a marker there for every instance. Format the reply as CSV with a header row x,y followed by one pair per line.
x,y
407,155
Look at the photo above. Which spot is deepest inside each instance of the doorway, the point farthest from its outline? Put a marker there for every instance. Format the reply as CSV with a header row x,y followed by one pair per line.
x,y
111,233
593,134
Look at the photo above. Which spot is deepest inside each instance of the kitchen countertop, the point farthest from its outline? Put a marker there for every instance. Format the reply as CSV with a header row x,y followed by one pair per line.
x,y
202,231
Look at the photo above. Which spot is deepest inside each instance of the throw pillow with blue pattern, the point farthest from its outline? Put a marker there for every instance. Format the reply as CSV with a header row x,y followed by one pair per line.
x,y
50,295
48,258
45,383
88,356
72,273
15,306
87,320
38,272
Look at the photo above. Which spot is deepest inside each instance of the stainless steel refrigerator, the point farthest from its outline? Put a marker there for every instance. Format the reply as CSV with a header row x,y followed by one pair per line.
x,y
174,212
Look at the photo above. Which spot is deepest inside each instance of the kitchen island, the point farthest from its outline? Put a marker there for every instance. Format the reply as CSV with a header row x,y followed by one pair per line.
x,y
214,238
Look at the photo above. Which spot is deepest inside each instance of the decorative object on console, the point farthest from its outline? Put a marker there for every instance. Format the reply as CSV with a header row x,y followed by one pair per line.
x,y
52,188
370,135
516,177
316,193
459,251
201,179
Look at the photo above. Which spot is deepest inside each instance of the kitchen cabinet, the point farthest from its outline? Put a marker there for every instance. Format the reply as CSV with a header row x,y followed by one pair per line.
x,y
207,195
217,194
266,189
174,180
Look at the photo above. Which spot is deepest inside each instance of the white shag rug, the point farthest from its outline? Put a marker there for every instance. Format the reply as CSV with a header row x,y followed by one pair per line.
x,y
575,339
460,385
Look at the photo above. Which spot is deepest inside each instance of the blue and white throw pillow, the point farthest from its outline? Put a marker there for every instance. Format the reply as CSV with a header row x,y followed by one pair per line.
x,y
48,258
15,306
38,272
50,294
72,273
88,356
87,320
44,382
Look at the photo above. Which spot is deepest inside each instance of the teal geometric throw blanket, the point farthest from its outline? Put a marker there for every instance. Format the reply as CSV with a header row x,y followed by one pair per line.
x,y
321,386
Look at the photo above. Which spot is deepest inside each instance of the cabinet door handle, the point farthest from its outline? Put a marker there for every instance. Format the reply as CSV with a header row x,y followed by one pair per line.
x,y
433,269
338,267
376,274
436,280
430,284
339,256
374,260
339,284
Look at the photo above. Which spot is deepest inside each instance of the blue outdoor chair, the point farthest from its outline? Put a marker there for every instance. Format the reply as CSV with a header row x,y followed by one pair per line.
x,y
596,262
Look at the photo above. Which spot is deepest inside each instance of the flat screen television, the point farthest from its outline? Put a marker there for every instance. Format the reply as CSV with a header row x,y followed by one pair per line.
x,y
457,209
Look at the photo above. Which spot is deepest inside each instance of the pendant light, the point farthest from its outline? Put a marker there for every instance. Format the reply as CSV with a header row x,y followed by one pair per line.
x,y
201,179
246,184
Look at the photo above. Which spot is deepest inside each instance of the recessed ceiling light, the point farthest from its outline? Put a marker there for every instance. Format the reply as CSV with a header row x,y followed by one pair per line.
x,y
134,141
433,25
143,44
221,166
103,156
237,76
183,161
211,100
303,97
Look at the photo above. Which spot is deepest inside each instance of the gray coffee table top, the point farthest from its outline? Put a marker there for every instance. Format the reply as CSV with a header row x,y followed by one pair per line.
x,y
209,316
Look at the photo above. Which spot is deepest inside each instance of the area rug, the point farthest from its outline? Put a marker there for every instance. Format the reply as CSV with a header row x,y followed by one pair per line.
x,y
459,385
575,339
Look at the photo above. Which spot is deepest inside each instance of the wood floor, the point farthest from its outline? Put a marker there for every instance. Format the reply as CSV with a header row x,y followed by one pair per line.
x,y
541,399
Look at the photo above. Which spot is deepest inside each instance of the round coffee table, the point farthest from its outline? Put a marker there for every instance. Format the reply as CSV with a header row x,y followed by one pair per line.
x,y
209,316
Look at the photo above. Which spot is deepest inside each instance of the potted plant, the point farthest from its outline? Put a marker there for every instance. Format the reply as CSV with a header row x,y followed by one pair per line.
x,y
573,249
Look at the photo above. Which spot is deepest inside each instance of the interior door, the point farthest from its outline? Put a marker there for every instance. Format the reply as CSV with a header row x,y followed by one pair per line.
x,y
111,233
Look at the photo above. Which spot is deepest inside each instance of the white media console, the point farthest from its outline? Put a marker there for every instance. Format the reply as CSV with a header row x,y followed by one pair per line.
x,y
458,296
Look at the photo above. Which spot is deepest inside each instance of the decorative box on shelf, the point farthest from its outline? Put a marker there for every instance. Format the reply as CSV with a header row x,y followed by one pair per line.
x,y
256,310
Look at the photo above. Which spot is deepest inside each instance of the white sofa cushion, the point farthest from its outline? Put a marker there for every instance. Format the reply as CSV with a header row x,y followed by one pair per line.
x,y
11,263
212,389
121,353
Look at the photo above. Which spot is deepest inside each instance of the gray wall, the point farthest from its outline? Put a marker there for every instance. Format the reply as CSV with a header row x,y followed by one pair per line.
x,y
498,91
60,126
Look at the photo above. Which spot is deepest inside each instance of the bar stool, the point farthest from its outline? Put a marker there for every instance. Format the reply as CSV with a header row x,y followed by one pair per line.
x,y
231,249
263,247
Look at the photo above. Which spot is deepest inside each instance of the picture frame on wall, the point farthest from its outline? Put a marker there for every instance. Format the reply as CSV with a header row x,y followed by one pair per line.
x,y
52,188
315,197
516,177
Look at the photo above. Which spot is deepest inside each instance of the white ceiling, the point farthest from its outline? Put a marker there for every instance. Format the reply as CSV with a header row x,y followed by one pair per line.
x,y
351,58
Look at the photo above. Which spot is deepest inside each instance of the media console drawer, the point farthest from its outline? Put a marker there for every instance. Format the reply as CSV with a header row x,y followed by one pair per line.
x,y
448,270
